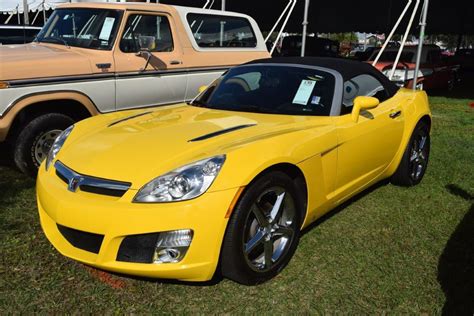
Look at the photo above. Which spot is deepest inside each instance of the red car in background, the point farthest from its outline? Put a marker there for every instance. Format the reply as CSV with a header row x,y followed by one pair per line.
x,y
436,71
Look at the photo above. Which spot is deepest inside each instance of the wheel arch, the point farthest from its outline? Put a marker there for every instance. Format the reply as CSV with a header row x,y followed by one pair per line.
x,y
72,103
426,118
294,172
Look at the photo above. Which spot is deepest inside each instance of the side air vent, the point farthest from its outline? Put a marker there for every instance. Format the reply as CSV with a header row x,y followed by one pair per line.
x,y
224,131
129,118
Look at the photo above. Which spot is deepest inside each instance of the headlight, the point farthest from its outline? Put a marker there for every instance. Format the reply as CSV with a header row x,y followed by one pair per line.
x,y
58,143
182,184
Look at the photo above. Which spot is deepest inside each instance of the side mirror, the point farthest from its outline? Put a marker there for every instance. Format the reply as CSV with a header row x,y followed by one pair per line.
x,y
202,89
363,103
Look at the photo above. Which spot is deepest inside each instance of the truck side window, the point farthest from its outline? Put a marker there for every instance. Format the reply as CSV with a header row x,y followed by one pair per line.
x,y
150,27
217,31
361,85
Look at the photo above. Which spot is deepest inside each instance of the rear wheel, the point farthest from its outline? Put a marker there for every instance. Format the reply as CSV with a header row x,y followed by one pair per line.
x,y
263,232
32,145
414,162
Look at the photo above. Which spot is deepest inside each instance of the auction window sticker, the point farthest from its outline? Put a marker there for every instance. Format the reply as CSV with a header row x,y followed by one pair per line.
x,y
304,92
107,28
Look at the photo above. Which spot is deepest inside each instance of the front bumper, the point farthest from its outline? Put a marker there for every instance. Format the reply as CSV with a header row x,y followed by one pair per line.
x,y
115,218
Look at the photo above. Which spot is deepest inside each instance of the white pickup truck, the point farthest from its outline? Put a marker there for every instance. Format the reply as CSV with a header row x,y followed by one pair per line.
x,y
93,58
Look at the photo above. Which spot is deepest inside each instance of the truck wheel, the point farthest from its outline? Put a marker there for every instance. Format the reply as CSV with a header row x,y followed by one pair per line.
x,y
32,145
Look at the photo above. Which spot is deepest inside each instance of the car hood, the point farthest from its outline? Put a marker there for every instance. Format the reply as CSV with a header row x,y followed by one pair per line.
x,y
382,65
137,146
37,60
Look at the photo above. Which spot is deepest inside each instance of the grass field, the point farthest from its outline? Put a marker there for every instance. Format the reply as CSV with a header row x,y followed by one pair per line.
x,y
391,249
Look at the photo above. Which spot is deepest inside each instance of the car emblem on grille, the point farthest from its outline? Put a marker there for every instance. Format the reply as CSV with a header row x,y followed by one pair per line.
x,y
74,183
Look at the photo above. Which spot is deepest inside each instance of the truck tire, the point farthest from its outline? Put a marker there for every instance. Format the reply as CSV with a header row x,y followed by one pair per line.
x,y
35,139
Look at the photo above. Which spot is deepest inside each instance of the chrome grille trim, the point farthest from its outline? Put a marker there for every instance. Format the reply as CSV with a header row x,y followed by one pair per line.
x,y
76,181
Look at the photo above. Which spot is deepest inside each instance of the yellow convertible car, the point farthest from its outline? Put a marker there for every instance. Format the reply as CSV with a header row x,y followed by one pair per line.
x,y
225,183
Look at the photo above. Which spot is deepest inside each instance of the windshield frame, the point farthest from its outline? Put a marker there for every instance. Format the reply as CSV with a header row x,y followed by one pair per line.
x,y
114,35
336,100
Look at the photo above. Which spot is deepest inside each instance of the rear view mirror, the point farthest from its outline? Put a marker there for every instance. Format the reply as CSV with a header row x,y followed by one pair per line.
x,y
363,103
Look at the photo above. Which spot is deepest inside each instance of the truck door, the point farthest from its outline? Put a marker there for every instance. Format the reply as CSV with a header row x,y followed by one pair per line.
x,y
164,79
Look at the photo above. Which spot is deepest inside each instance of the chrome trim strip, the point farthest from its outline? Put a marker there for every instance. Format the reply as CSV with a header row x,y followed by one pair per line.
x,y
224,131
76,181
100,76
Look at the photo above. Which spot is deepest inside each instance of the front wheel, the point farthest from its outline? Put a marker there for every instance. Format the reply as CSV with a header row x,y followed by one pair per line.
x,y
414,162
263,232
35,139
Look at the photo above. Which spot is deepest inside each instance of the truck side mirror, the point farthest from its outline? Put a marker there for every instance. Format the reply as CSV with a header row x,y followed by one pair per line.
x,y
363,103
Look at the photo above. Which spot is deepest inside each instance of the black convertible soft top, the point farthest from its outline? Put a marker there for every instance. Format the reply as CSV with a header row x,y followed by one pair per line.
x,y
346,67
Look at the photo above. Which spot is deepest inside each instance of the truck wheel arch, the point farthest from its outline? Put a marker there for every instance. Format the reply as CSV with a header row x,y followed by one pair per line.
x,y
28,107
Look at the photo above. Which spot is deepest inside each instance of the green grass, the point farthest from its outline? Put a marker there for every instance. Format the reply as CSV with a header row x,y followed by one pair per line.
x,y
390,250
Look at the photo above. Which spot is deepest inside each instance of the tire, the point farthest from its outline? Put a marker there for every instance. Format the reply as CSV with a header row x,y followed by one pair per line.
x,y
414,162
254,229
33,142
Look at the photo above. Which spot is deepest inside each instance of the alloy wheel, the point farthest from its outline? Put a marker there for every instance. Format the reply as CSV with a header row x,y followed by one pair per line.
x,y
419,156
269,229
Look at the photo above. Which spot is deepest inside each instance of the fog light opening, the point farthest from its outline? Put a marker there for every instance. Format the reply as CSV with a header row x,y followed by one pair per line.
x,y
171,247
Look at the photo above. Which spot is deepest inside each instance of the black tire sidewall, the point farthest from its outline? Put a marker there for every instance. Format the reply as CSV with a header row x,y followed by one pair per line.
x,y
234,264
24,143
402,175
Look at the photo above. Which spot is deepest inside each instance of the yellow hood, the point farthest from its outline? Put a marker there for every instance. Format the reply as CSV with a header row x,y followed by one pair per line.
x,y
137,146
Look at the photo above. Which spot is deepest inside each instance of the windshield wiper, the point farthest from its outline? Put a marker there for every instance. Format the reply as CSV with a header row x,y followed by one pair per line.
x,y
57,39
251,108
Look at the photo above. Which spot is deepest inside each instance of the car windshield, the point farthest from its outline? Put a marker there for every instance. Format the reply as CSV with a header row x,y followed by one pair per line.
x,y
276,89
86,28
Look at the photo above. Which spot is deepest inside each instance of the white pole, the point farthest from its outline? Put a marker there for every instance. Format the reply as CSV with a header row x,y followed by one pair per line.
x,y
283,26
44,14
305,27
420,41
387,40
402,45
223,5
278,21
26,12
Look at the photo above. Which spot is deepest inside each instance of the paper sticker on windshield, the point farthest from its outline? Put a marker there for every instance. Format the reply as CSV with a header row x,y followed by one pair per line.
x,y
304,92
106,28
315,100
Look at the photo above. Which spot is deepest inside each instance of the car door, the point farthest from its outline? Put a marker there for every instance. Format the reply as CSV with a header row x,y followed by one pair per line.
x,y
366,147
164,79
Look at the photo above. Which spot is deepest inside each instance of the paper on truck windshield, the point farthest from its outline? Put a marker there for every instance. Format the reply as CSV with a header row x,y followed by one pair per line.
x,y
304,92
106,28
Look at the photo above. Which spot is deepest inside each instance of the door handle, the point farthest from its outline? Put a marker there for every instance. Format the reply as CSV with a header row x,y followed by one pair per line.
x,y
175,62
103,65
395,114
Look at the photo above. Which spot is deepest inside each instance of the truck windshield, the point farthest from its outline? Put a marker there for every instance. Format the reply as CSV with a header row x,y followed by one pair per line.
x,y
86,28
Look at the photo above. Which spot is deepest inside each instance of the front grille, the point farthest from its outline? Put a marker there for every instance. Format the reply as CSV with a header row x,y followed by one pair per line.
x,y
75,180
82,240
138,248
